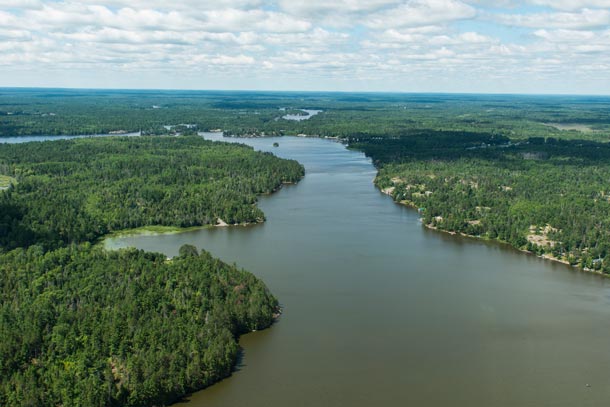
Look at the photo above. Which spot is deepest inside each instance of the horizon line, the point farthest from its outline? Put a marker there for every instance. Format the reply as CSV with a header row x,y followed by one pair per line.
x,y
371,92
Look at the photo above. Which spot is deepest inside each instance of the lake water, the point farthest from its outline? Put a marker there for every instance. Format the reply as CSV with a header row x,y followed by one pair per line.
x,y
298,117
379,311
27,139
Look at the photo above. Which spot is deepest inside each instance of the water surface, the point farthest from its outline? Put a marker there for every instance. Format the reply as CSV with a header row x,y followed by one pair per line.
x,y
379,311
27,139
300,117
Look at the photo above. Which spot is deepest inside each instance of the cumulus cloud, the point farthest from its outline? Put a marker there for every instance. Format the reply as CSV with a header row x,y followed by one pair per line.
x,y
586,18
420,13
230,60
20,4
352,41
6,35
9,20
66,16
323,7
572,5
188,5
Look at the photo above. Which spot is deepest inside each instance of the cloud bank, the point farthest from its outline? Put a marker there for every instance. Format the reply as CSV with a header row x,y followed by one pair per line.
x,y
538,46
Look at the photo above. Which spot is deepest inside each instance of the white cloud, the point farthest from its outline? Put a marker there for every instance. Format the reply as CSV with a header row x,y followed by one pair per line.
x,y
572,5
565,36
9,20
183,5
20,4
586,18
327,42
416,13
573,43
65,16
233,20
338,13
318,8
9,34
231,60
426,37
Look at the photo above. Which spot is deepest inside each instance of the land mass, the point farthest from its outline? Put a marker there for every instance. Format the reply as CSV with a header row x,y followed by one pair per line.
x,y
488,166
549,197
84,326
80,190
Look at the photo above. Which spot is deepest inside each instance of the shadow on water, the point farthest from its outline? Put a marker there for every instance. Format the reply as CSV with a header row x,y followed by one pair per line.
x,y
239,365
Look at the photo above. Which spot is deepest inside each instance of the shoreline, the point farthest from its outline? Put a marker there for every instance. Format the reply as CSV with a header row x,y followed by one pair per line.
x,y
428,226
498,241
156,230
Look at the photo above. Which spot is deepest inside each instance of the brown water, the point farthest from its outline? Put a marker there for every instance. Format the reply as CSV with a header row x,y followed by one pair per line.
x,y
380,311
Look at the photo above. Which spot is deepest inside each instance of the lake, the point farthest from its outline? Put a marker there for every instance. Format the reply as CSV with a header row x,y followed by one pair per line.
x,y
300,117
380,311
27,139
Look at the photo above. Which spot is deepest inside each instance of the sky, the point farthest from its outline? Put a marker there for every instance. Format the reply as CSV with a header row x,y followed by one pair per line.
x,y
471,46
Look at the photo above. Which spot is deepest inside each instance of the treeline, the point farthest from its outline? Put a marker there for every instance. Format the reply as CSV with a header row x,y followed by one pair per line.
x,y
41,111
550,196
78,190
81,326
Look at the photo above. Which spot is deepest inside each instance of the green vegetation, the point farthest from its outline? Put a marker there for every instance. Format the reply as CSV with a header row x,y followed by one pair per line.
x,y
57,111
511,173
551,197
6,182
81,326
153,230
78,190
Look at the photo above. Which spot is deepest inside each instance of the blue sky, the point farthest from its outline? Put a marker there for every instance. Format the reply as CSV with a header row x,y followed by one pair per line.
x,y
489,46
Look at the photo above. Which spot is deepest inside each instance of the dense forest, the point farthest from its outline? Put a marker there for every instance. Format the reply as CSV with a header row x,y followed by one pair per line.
x,y
63,111
78,190
547,196
81,326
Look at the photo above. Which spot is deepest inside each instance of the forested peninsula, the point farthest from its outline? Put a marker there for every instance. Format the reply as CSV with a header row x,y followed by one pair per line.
x,y
86,327
547,196
69,191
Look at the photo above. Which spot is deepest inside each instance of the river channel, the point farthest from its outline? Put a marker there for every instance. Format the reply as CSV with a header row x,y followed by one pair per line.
x,y
379,311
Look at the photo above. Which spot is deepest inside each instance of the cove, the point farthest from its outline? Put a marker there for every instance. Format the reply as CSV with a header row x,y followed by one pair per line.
x,y
381,311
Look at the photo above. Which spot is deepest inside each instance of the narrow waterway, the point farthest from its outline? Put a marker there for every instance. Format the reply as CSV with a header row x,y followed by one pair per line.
x,y
27,139
379,311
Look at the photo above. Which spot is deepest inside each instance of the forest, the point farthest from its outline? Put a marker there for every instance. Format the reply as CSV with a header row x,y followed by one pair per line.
x,y
71,191
82,326
73,111
547,196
